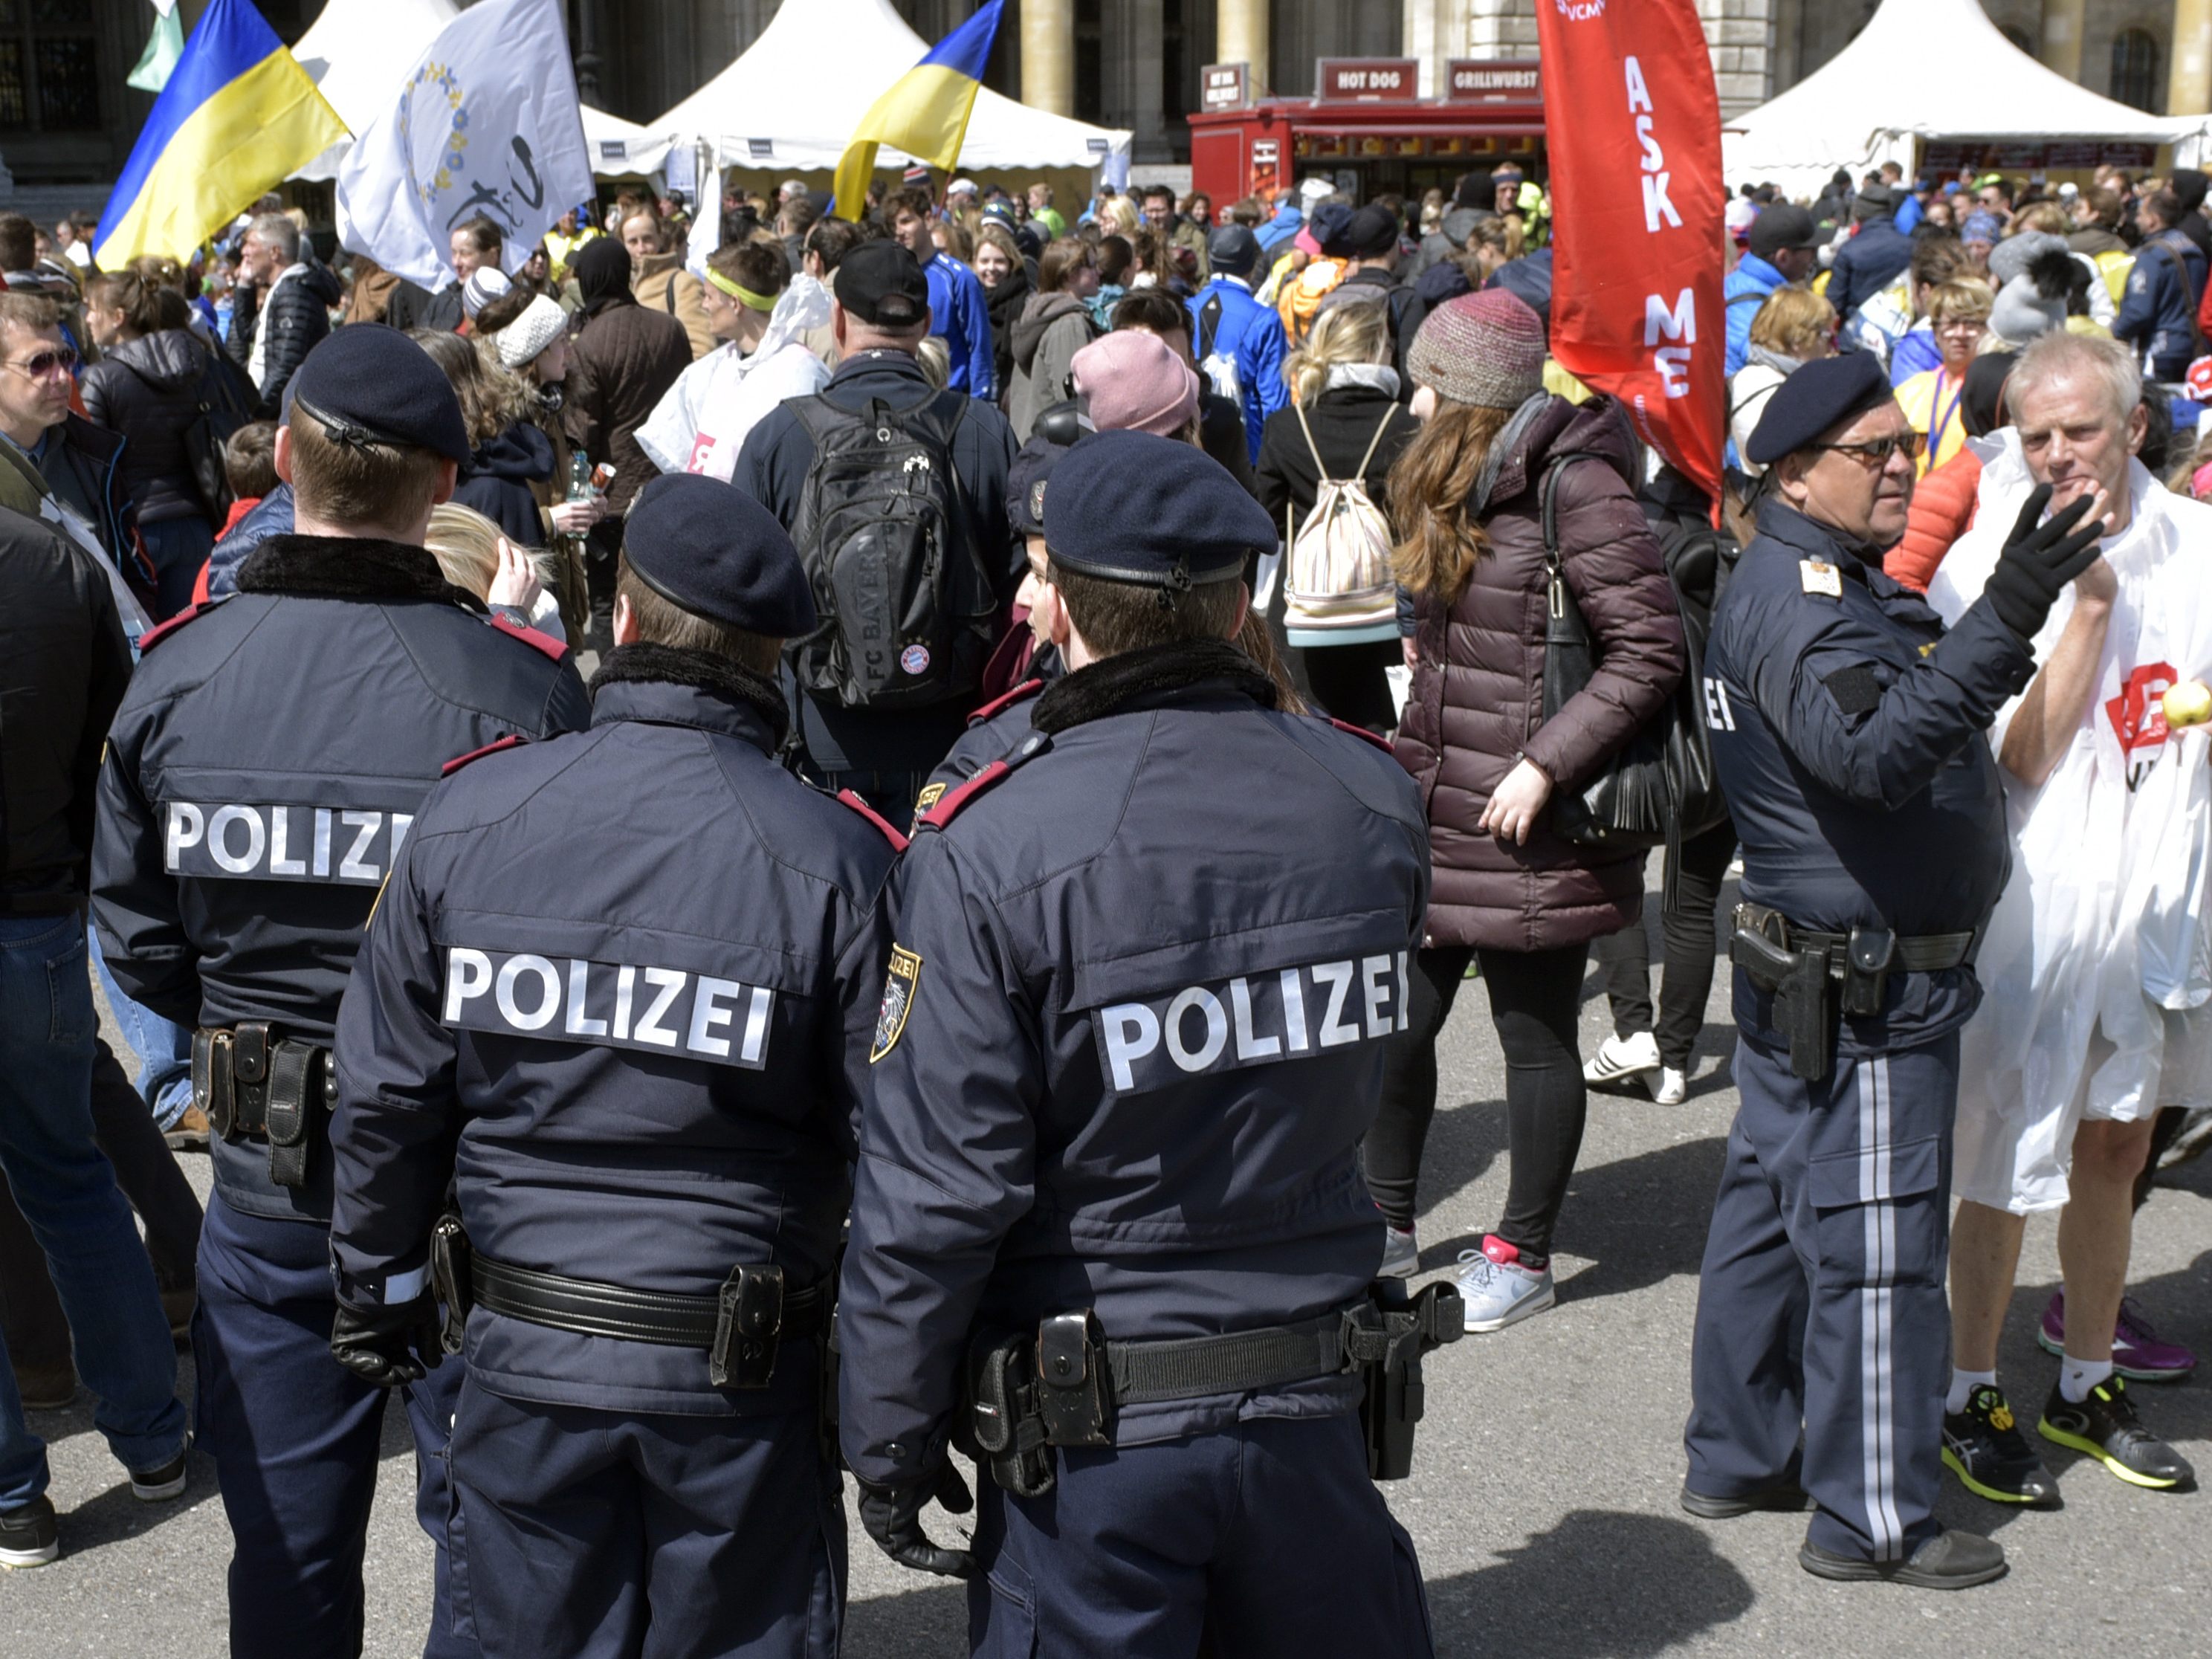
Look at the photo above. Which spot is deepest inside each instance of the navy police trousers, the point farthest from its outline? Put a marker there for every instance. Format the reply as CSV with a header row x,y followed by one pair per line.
x,y
605,1534
296,1439
1820,1305
1262,1540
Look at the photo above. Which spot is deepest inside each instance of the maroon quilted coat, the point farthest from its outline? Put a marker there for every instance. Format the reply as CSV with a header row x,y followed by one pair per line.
x,y
1478,693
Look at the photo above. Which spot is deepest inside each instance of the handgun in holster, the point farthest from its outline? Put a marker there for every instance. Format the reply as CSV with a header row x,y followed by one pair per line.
x,y
1385,1338
449,1279
1799,982
1005,1430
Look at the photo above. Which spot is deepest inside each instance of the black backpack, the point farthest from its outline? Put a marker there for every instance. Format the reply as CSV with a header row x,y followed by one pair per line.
x,y
906,610
224,400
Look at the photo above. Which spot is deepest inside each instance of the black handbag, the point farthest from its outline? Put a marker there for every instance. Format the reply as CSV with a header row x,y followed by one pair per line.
x,y
1659,787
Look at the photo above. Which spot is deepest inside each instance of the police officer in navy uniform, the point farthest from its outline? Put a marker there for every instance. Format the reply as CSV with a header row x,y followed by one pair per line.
x,y
620,989
1130,1040
1848,728
262,776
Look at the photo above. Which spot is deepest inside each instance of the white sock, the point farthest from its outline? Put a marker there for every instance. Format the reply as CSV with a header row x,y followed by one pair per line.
x,y
2077,1376
1963,1384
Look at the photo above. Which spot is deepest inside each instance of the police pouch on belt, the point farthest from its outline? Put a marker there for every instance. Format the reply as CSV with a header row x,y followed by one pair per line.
x,y
1812,975
1063,1386
249,1081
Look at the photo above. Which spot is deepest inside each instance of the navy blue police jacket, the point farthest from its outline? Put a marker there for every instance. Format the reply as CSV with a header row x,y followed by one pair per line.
x,y
1131,1038
994,732
1848,731
619,993
264,773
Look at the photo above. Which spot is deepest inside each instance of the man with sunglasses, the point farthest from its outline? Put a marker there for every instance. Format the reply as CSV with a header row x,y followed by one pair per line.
x,y
1848,728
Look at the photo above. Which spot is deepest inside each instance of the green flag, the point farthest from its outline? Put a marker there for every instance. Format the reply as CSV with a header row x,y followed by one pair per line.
x,y
162,50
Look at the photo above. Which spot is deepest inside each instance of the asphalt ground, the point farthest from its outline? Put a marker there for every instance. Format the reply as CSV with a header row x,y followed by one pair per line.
x,y
1543,1500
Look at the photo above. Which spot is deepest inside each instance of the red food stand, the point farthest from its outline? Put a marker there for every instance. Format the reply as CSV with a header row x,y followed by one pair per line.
x,y
1368,127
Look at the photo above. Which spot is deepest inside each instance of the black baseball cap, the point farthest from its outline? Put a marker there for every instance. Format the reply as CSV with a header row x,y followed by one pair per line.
x,y
1783,226
879,283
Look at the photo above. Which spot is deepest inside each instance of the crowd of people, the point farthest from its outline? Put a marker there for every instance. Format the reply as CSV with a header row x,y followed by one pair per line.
x,y
1078,569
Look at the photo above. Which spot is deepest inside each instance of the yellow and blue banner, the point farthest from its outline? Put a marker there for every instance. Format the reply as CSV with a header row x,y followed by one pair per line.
x,y
925,112
238,116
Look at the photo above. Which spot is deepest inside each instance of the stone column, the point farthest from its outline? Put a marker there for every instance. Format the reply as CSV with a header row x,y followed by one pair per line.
x,y
1239,36
1049,55
2189,90
2060,47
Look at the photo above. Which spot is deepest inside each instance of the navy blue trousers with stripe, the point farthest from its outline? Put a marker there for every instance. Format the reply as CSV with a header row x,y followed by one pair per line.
x,y
1821,1317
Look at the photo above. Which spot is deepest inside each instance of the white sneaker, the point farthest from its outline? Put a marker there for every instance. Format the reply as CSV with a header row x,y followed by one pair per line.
x,y
1619,1059
1402,1253
1672,1088
1497,1291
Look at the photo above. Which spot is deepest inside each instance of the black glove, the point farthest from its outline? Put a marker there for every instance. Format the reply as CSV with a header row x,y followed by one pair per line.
x,y
388,1346
2038,562
892,1515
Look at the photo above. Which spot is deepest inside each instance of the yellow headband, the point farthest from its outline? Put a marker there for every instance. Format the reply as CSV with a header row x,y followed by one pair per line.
x,y
743,297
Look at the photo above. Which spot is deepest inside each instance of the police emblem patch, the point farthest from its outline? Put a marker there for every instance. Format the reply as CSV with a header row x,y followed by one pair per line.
x,y
930,795
1036,500
898,1001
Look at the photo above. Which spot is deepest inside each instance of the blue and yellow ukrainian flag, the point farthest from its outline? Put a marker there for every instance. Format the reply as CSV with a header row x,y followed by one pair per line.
x,y
925,112
238,115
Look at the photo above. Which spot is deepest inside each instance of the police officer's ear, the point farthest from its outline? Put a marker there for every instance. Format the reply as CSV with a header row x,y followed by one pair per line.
x,y
625,621
449,478
282,458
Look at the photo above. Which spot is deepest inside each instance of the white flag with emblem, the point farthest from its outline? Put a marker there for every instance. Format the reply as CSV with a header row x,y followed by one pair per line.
x,y
487,122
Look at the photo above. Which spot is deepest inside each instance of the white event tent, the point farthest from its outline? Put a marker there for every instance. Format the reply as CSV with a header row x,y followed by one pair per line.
x,y
1929,69
359,51
792,101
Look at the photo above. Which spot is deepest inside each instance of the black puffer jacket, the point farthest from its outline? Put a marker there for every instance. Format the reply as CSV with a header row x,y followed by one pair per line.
x,y
297,318
146,390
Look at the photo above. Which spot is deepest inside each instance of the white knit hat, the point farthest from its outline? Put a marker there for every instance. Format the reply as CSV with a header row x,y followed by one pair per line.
x,y
485,284
538,326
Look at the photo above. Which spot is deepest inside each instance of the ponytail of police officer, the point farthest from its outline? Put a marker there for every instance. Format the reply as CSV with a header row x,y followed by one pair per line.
x,y
1850,732
262,777
619,993
1110,1229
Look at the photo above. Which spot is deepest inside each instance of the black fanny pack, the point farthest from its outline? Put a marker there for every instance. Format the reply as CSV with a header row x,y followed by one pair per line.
x,y
250,1081
1064,1385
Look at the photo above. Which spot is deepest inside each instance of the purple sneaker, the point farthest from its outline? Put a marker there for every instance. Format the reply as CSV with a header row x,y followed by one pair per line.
x,y
2138,1354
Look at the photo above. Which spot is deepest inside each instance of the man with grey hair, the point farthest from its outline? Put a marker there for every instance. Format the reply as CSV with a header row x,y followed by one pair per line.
x,y
280,307
2098,1012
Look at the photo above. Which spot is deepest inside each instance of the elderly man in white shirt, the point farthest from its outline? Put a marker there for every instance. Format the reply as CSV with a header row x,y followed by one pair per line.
x,y
2098,963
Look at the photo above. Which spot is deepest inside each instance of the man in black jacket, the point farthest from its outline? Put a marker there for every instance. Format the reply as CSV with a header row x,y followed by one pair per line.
x,y
64,665
280,307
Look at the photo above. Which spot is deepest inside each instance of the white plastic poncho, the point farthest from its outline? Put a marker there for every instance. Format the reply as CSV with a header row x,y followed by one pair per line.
x,y
2097,965
700,423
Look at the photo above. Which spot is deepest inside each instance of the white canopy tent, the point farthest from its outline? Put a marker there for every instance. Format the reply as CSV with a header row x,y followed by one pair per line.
x,y
358,52
1929,69
792,101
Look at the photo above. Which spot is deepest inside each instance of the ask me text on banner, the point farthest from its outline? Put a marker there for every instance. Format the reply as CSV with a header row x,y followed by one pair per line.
x,y
1638,197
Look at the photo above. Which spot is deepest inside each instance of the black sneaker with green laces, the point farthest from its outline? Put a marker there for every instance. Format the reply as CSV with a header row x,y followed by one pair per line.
x,y
1983,1447
2105,1427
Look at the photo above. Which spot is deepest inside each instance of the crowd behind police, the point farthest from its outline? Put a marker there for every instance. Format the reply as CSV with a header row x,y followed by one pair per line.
x,y
509,1113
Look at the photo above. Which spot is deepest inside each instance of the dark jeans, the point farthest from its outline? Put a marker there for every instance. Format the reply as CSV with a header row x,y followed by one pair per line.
x,y
177,547
1534,998
37,1331
1686,981
1348,682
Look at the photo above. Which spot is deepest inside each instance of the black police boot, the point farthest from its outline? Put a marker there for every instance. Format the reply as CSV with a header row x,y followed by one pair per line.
x,y
1983,1447
1950,1560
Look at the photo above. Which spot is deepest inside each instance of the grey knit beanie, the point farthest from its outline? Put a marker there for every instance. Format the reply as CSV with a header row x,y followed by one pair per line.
x,y
1484,348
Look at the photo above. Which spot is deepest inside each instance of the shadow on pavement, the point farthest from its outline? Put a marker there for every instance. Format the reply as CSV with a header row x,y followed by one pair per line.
x,y
1463,1142
1564,1593
920,1621
115,1516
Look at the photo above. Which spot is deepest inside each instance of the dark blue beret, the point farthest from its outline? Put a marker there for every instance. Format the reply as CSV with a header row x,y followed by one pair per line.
x,y
711,549
1025,482
365,384
1132,507
1821,394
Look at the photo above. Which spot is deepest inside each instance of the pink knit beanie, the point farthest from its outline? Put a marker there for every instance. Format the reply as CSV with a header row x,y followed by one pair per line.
x,y
1485,348
1134,381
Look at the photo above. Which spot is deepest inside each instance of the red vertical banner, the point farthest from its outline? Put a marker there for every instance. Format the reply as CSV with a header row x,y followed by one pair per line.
x,y
1638,196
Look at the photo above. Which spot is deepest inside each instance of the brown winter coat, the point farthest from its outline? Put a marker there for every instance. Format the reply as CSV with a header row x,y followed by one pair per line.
x,y
1478,693
619,366
662,284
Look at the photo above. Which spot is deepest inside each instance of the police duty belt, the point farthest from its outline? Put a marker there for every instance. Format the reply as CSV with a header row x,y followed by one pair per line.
x,y
740,1327
250,1081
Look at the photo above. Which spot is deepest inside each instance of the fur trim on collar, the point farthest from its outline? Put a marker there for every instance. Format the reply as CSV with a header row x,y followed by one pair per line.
x,y
630,664
349,567
1104,688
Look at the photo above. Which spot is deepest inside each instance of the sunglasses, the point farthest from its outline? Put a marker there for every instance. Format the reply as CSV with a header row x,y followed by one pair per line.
x,y
44,363
1874,453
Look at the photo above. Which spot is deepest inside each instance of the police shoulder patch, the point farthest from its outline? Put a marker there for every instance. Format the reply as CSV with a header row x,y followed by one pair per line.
x,y
899,987
848,798
160,631
1361,732
997,705
511,740
530,636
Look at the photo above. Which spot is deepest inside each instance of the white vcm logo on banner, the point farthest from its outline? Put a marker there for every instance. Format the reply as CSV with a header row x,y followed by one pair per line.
x,y
1679,320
